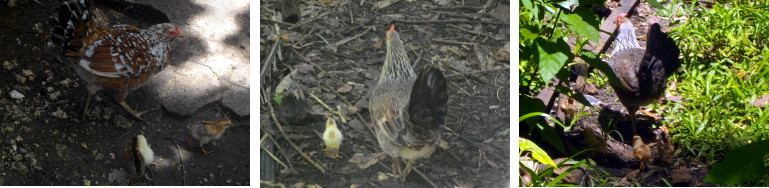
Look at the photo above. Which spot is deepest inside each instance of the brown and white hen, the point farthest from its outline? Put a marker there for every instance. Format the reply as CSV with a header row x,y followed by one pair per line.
x,y
119,57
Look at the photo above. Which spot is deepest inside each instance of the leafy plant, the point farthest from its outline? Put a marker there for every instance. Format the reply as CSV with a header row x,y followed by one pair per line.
x,y
725,69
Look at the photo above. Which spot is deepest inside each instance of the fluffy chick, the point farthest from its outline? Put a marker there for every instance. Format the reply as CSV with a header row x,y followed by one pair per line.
x,y
641,151
332,137
206,131
569,107
137,156
664,146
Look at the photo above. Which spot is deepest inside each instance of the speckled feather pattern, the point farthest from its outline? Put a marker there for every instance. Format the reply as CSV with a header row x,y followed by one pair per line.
x,y
397,132
642,72
119,57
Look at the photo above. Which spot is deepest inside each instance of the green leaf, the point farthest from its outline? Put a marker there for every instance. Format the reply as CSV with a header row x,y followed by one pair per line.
x,y
546,131
529,105
744,164
527,4
655,4
551,57
278,99
528,33
584,22
536,152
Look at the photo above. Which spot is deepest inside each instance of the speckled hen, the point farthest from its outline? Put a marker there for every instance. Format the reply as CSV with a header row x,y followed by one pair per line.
x,y
119,57
643,73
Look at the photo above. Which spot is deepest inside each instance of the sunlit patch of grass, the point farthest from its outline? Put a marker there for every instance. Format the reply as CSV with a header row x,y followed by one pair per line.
x,y
724,70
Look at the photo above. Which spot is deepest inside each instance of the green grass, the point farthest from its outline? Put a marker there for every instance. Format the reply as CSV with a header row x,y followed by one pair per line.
x,y
724,70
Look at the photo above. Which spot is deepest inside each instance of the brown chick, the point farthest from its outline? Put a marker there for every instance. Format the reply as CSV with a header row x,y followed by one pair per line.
x,y
641,151
206,131
595,142
137,156
664,146
569,107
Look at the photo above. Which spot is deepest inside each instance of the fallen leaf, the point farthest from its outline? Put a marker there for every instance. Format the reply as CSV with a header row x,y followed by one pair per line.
x,y
365,161
304,68
344,89
378,44
444,145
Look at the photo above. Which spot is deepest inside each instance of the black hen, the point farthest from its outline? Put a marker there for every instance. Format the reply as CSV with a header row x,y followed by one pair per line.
x,y
642,72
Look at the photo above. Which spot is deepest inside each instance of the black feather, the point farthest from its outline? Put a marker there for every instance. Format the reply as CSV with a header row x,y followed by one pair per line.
x,y
427,105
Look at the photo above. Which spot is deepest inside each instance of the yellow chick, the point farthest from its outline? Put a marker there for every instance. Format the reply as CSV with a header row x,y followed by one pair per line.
x,y
332,137
206,131
641,151
137,156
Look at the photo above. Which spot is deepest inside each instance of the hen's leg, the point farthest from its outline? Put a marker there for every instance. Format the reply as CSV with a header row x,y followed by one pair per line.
x,y
120,98
92,89
407,169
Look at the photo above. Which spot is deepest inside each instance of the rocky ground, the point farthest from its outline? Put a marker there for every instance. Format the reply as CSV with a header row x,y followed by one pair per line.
x,y
46,140
335,53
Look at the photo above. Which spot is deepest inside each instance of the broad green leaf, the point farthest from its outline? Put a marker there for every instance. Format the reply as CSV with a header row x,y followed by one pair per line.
x,y
527,4
551,57
655,4
584,22
529,105
744,164
536,152
527,33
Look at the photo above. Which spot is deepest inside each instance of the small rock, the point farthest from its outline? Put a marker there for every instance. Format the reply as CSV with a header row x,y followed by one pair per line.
x,y
59,149
8,65
16,94
492,107
122,122
55,95
66,82
26,72
59,114
20,167
21,79
18,157
49,89
82,144
111,155
86,182
37,28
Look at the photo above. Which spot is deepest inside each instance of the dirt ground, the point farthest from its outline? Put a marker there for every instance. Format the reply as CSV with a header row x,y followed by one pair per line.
x,y
46,141
341,73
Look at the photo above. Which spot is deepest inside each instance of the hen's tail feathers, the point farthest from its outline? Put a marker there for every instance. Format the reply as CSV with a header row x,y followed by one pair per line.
x,y
660,47
427,105
71,23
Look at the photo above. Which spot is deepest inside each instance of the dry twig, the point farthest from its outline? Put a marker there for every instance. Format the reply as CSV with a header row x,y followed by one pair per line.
x,y
280,128
448,21
455,42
